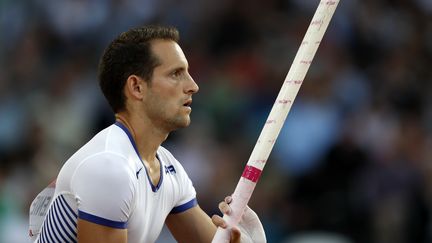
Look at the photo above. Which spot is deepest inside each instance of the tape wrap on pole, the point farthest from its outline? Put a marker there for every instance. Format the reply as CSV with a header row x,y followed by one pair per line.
x,y
278,114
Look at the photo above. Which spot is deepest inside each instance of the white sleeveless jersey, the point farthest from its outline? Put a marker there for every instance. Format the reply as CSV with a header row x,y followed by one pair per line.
x,y
105,182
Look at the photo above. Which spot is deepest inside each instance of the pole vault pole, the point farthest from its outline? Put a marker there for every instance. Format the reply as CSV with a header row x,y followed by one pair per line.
x,y
277,116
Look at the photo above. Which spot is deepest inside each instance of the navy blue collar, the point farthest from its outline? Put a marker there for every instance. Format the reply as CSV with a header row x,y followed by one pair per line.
x,y
131,139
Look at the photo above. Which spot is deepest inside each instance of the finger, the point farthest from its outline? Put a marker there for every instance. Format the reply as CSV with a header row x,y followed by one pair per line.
x,y
228,199
219,221
224,208
235,235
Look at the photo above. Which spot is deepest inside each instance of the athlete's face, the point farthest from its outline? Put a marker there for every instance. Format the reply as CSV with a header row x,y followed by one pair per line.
x,y
169,95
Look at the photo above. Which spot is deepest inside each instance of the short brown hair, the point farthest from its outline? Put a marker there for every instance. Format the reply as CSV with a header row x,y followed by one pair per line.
x,y
129,54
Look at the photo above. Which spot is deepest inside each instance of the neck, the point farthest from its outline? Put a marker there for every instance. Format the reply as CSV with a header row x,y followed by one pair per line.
x,y
124,121
147,137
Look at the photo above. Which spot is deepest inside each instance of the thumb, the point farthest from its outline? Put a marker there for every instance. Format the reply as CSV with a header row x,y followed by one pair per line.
x,y
235,235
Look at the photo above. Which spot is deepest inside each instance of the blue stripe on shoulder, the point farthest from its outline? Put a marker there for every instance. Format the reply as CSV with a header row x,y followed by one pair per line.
x,y
98,220
62,219
192,203
67,205
54,227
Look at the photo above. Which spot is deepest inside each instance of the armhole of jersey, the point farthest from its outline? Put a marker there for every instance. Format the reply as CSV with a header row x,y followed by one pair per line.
x,y
179,209
101,221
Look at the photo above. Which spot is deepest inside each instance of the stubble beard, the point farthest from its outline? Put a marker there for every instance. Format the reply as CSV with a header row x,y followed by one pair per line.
x,y
161,117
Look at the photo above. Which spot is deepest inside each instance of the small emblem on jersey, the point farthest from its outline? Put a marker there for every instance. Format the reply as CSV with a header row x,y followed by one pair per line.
x,y
137,173
170,170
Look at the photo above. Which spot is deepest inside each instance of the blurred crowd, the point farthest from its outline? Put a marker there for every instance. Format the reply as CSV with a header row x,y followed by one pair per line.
x,y
353,162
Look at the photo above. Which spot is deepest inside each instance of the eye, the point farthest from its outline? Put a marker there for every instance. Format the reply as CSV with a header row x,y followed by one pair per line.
x,y
177,73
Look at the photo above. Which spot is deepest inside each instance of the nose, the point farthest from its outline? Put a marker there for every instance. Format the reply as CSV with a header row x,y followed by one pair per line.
x,y
192,87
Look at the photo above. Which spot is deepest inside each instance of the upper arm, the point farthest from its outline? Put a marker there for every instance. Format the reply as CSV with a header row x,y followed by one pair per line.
x,y
104,190
89,232
192,225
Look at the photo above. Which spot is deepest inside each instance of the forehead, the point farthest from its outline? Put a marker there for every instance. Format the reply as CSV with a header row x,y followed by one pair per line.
x,y
168,52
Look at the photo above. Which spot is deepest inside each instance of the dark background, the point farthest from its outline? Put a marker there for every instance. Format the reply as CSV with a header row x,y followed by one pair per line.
x,y
353,162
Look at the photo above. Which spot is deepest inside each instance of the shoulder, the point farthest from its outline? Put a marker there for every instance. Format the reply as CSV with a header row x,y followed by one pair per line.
x,y
105,166
109,139
98,178
106,154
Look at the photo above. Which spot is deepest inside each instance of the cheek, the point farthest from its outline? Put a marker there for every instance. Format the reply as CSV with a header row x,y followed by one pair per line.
x,y
164,98
170,99
163,105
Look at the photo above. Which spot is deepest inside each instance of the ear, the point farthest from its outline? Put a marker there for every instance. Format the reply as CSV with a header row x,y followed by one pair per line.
x,y
135,87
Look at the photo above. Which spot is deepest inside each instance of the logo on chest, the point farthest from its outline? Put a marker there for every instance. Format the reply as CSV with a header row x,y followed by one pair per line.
x,y
170,169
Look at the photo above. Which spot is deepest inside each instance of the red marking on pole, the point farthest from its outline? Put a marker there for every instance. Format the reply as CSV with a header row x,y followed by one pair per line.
x,y
293,81
317,22
251,173
270,121
284,101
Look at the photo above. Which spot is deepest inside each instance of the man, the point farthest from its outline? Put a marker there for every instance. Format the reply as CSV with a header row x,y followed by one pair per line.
x,y
122,186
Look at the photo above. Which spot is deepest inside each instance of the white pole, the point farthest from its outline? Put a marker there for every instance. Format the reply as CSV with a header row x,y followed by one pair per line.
x,y
278,114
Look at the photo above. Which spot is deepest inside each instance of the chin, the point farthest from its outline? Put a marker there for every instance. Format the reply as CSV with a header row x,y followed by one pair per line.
x,y
186,123
180,123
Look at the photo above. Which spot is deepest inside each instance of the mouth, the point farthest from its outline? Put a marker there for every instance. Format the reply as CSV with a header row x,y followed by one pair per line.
x,y
188,103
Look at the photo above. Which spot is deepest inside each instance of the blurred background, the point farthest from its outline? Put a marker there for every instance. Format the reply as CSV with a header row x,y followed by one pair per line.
x,y
353,162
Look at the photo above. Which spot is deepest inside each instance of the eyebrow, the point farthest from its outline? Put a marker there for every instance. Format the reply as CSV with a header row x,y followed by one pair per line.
x,y
179,68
